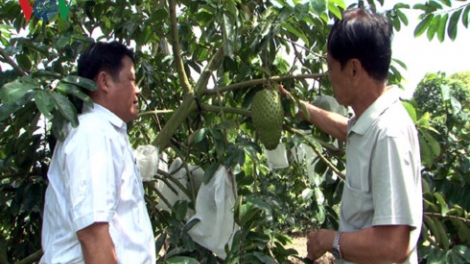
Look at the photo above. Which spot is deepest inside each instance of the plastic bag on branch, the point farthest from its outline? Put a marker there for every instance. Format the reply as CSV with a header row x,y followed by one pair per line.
x,y
146,157
171,192
214,208
277,158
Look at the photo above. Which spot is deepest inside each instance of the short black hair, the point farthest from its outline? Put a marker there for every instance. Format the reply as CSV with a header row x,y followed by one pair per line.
x,y
102,56
364,35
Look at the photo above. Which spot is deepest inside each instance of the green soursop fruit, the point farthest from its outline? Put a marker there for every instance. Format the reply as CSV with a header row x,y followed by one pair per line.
x,y
267,115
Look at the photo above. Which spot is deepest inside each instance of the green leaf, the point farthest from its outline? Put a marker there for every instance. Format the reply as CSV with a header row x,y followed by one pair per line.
x,y
181,260
75,91
226,124
462,251
23,61
423,25
446,2
59,126
307,194
228,32
429,147
264,258
401,5
198,136
209,172
455,104
445,93
442,27
465,16
319,6
44,103
339,3
319,196
15,90
433,143
334,9
231,8
436,257
433,27
442,203
402,17
453,22
80,81
301,10
6,109
411,111
190,224
296,31
66,108
180,210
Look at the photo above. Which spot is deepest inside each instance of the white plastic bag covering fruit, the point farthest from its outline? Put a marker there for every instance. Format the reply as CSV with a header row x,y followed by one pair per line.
x,y
178,172
146,157
214,208
277,158
173,194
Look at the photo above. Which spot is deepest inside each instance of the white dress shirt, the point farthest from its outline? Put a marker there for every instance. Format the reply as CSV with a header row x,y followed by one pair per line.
x,y
93,177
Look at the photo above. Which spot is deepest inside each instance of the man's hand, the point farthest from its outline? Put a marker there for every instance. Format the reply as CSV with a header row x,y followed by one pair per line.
x,y
97,245
318,242
283,90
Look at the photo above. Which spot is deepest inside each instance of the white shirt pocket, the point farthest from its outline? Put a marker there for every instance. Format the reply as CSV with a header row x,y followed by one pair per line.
x,y
357,208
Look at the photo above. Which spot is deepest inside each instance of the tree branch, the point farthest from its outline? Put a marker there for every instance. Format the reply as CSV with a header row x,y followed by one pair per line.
x,y
261,81
238,111
12,63
463,219
177,49
31,258
323,158
188,105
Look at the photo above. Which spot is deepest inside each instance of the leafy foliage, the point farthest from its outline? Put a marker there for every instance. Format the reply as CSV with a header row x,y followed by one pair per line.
x,y
441,19
445,233
199,64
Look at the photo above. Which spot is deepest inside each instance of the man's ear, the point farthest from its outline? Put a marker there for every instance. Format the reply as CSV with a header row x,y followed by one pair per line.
x,y
356,69
103,81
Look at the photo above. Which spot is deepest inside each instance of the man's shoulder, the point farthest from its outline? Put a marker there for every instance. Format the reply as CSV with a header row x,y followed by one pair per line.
x,y
90,125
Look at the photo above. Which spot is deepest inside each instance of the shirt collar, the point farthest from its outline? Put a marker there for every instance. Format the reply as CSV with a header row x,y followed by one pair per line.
x,y
106,114
373,112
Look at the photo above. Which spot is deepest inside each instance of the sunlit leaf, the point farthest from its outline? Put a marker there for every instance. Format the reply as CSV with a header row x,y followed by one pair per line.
x,y
411,111
66,108
433,27
442,27
13,91
453,22
423,25
442,203
6,109
319,6
181,260
465,16
43,101
335,10
446,2
80,81
295,31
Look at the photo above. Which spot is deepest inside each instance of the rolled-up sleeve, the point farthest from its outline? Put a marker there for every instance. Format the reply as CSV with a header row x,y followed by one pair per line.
x,y
93,184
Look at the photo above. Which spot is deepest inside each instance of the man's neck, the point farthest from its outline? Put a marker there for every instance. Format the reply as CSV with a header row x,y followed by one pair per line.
x,y
369,92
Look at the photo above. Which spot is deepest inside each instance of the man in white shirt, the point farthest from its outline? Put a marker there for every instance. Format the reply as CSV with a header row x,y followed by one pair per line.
x,y
381,206
95,210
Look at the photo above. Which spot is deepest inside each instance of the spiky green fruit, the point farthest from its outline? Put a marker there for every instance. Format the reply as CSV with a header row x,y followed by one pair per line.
x,y
267,115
